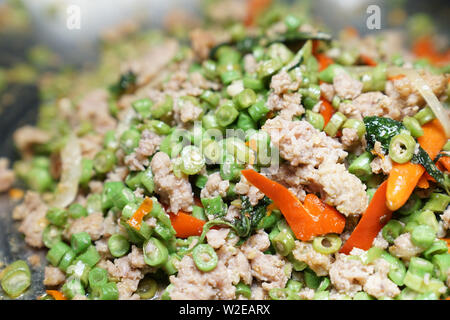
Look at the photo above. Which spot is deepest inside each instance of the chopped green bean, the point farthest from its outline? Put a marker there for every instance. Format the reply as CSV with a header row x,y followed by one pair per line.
x,y
118,245
316,119
401,148
413,125
205,258
97,277
51,235
328,244
72,287
335,123
392,230
147,288
155,253
425,115
16,278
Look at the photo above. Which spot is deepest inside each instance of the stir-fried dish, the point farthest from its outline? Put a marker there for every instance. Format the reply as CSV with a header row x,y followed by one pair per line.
x,y
254,156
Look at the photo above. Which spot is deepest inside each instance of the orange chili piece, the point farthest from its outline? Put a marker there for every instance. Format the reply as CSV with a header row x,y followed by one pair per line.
x,y
136,220
305,221
186,225
372,221
57,295
403,178
326,110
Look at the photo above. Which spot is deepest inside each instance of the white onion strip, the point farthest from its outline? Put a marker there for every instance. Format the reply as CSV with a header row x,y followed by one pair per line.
x,y
426,92
67,188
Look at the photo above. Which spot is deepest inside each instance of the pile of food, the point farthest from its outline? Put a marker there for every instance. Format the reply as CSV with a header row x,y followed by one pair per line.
x,y
261,159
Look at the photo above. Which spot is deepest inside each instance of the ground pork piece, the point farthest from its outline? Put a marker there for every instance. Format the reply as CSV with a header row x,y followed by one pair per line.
x,y
306,294
258,242
404,248
90,145
289,104
193,284
186,111
243,187
34,260
215,186
95,186
102,248
126,288
250,63
32,212
300,143
111,225
282,83
445,218
177,192
94,108
53,276
292,178
151,63
407,91
239,268
216,238
335,295
327,91
27,136
197,80
346,87
349,138
380,242
136,257
342,189
93,224
129,276
233,212
237,264
318,262
378,284
7,176
371,104
202,42
118,174
148,144
272,270
381,165
349,275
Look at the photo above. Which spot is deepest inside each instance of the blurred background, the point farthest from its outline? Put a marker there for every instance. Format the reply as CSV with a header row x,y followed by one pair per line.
x,y
37,36
47,51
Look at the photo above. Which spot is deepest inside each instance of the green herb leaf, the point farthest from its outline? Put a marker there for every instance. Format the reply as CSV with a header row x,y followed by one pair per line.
x,y
126,83
382,130
422,157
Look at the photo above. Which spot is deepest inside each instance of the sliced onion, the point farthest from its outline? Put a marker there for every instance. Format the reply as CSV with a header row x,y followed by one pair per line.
x,y
426,92
67,188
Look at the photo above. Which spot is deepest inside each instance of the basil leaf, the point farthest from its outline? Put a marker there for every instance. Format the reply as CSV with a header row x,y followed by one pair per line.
x,y
382,130
422,157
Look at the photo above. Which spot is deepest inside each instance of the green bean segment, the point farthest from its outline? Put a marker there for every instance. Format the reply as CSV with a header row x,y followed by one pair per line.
x,y
205,258
401,148
15,278
328,244
118,245
147,288
155,253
